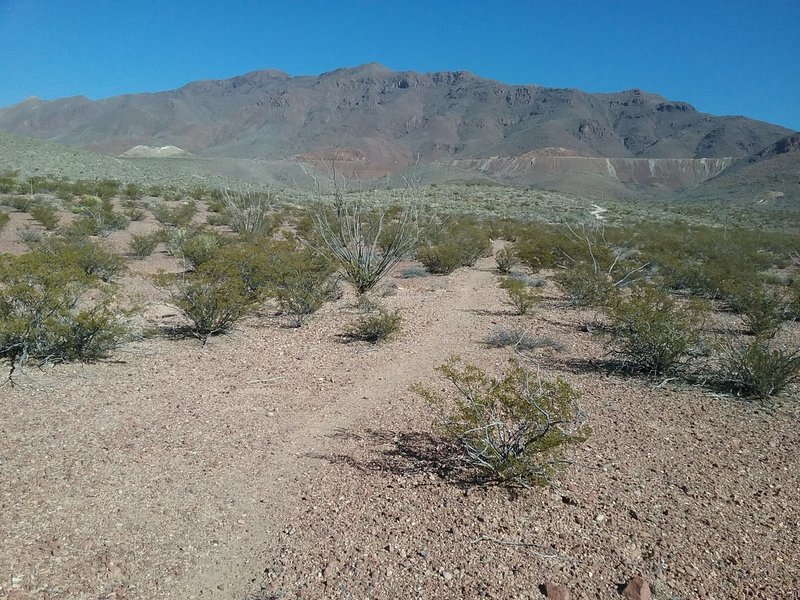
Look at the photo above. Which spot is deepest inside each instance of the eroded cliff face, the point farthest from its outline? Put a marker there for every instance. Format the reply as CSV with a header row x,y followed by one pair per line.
x,y
672,173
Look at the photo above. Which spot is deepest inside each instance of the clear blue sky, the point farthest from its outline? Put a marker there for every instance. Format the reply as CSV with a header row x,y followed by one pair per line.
x,y
725,57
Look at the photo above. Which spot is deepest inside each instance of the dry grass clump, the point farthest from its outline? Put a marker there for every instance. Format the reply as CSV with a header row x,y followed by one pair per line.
x,y
520,339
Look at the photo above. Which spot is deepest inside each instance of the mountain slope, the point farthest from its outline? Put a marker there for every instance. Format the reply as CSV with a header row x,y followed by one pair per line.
x,y
388,120
771,175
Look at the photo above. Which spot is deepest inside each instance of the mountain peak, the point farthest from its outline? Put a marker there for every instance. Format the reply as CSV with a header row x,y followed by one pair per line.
x,y
372,68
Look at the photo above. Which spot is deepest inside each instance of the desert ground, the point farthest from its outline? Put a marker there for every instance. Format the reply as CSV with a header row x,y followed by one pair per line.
x,y
279,462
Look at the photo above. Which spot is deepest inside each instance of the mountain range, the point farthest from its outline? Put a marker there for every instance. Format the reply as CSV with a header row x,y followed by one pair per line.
x,y
373,122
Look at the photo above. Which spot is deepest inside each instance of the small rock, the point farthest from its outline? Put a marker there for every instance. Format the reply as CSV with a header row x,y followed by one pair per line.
x,y
447,576
600,518
555,591
637,589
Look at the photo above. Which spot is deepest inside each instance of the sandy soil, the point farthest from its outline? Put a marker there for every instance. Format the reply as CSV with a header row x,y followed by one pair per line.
x,y
279,462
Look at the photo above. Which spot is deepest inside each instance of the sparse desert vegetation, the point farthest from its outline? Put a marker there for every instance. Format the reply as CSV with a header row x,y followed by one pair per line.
x,y
619,385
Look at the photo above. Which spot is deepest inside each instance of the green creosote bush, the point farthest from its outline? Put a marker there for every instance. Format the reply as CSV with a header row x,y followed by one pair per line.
x,y
300,280
376,325
585,287
506,258
441,259
650,331
132,191
4,218
98,216
541,246
762,309
179,216
106,188
142,246
46,215
198,248
50,311
520,296
450,245
18,203
211,304
8,182
471,238
87,255
132,210
513,429
218,219
756,368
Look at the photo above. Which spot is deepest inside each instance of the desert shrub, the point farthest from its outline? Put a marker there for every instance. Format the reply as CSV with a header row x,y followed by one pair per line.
x,y
175,238
506,258
452,244
249,212
534,282
132,191
584,286
20,203
757,369
4,218
440,259
198,248
522,297
793,299
8,182
513,429
707,262
142,246
30,237
36,184
132,210
367,244
299,279
504,229
218,219
52,312
91,258
46,215
688,275
98,216
471,238
520,339
413,272
541,246
650,331
375,325
763,310
212,302
198,192
106,188
251,264
179,216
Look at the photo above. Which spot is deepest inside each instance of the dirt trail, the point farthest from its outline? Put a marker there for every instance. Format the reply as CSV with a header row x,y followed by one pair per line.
x,y
170,474
308,436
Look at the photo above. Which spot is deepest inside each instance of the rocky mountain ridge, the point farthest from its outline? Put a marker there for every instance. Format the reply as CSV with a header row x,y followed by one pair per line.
x,y
374,122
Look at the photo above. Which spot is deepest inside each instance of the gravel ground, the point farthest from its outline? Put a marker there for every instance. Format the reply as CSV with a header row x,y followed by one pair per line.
x,y
278,462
